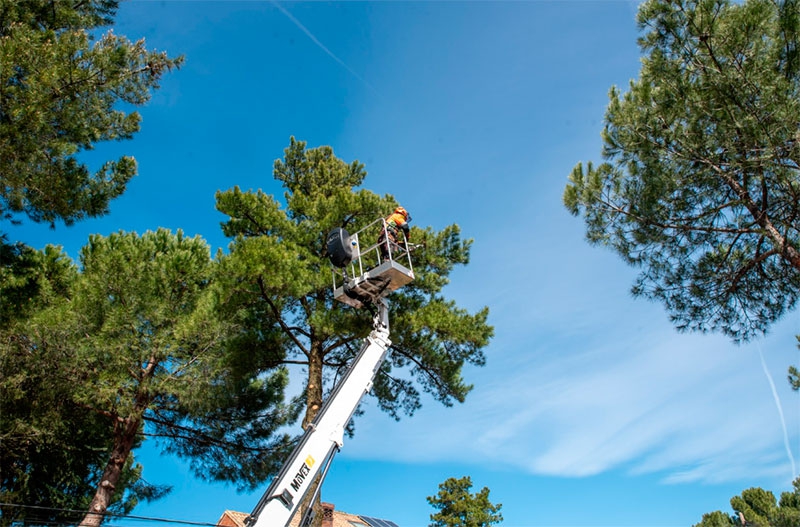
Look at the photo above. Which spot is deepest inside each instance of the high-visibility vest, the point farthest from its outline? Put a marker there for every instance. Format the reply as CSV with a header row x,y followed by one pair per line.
x,y
395,220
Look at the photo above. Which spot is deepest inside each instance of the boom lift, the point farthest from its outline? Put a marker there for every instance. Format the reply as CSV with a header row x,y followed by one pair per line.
x,y
368,283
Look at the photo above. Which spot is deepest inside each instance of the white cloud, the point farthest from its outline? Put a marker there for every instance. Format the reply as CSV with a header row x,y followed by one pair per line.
x,y
583,379
690,407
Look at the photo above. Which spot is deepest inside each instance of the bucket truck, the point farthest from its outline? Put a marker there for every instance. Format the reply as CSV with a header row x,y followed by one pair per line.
x,y
367,278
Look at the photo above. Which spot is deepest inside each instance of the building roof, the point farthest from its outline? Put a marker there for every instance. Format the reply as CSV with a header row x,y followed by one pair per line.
x,y
232,519
340,519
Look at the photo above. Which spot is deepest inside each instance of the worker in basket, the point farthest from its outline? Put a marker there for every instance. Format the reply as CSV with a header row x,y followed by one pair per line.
x,y
397,221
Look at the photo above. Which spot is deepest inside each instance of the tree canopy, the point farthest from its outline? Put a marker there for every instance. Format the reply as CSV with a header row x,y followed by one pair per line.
x,y
699,185
277,281
65,87
137,350
458,507
146,315
758,507
52,448
62,87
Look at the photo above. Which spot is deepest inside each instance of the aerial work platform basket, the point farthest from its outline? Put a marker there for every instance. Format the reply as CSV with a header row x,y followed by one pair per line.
x,y
365,275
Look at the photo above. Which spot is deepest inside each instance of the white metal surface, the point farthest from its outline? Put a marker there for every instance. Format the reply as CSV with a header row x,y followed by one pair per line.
x,y
377,282
325,434
370,277
365,281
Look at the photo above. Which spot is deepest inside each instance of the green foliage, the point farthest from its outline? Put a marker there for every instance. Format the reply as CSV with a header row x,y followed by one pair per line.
x,y
759,508
60,94
794,373
63,86
717,519
788,511
134,348
155,348
53,449
757,505
700,185
31,279
458,507
277,282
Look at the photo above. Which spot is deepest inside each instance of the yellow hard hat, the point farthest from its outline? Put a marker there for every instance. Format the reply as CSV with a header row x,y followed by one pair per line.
x,y
401,210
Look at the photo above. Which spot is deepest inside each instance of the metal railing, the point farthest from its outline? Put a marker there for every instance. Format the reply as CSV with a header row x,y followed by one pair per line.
x,y
367,255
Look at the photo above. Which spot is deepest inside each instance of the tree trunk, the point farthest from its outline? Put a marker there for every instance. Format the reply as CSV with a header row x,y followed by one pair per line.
x,y
313,405
125,431
787,251
314,391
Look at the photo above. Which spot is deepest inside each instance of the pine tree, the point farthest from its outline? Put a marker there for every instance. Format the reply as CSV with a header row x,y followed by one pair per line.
x,y
278,282
51,454
701,177
458,507
61,85
137,350
757,507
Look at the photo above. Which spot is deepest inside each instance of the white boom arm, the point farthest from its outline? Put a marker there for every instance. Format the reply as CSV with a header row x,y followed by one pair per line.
x,y
325,435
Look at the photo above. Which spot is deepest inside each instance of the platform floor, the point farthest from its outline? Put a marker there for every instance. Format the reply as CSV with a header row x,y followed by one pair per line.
x,y
373,284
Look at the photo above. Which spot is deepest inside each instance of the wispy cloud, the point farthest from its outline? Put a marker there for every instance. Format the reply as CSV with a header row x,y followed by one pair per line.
x,y
582,379
779,407
690,407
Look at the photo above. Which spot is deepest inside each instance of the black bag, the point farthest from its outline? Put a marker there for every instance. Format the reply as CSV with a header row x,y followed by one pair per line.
x,y
340,247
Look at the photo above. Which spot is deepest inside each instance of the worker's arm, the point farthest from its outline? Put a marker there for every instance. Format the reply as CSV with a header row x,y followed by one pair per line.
x,y
406,231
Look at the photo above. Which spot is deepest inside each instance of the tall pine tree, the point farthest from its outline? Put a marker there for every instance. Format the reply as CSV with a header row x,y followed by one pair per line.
x,y
457,507
701,175
278,280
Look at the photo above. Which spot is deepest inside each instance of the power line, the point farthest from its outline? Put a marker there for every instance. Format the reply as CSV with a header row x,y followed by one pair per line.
x,y
105,514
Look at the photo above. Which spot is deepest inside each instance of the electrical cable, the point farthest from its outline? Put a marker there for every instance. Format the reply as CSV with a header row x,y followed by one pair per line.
x,y
105,514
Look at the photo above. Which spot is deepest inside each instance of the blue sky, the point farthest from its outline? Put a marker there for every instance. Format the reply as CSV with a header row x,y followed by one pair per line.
x,y
592,410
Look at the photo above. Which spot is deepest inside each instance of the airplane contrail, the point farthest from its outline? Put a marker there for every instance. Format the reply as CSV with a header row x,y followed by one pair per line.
x,y
780,410
321,46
